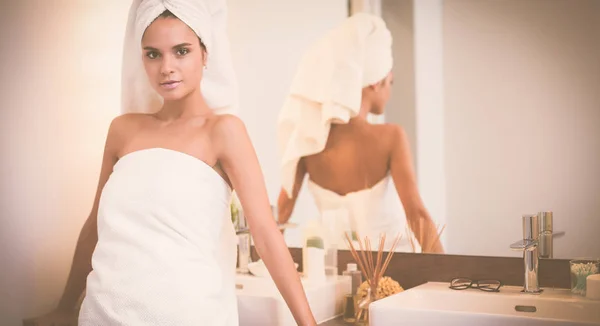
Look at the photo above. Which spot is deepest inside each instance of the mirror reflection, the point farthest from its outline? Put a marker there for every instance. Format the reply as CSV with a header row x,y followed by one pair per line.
x,y
488,113
347,162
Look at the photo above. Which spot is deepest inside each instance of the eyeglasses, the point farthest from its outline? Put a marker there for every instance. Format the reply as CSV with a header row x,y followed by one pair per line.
x,y
483,285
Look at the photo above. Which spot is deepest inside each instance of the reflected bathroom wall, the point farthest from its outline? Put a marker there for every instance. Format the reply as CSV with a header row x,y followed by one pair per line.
x,y
522,106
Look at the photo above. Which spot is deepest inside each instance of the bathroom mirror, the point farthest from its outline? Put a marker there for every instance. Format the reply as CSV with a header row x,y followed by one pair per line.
x,y
499,100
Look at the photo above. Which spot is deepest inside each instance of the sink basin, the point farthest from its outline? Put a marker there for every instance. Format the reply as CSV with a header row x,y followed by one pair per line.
x,y
435,304
261,304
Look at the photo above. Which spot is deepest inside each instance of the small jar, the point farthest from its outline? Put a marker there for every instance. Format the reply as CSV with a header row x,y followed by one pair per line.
x,y
580,270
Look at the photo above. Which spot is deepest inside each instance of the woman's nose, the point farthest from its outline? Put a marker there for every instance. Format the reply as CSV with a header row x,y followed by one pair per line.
x,y
166,66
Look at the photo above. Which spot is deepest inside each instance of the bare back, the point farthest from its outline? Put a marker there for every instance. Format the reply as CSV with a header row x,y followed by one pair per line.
x,y
356,157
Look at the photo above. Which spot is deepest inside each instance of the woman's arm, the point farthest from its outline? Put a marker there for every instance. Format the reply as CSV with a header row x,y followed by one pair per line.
x,y
238,159
404,177
285,203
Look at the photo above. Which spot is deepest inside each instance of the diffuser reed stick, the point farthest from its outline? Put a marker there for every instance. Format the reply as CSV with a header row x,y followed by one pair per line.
x,y
372,270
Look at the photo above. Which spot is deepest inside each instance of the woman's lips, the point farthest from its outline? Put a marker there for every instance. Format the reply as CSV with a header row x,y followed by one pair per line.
x,y
171,84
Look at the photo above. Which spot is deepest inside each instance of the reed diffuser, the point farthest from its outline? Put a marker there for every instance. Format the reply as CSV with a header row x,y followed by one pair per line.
x,y
426,246
371,269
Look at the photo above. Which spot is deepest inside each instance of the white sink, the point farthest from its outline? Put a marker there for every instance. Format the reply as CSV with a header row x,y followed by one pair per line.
x,y
261,304
436,304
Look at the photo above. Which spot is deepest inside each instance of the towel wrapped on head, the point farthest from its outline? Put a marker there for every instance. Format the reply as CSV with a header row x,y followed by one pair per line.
x,y
327,87
208,19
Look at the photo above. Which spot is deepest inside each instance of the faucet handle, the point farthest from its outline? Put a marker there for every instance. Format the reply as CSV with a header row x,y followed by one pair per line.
x,y
524,245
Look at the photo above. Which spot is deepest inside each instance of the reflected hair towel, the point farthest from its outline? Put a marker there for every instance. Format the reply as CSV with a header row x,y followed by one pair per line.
x,y
208,19
327,87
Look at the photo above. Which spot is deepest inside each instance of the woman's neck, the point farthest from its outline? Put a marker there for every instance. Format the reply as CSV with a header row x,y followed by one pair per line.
x,y
188,106
362,114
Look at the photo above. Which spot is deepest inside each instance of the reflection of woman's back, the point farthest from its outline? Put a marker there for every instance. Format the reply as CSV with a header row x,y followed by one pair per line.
x,y
352,176
323,132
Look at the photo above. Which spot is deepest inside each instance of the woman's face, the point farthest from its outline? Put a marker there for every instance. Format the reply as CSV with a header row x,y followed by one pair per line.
x,y
173,58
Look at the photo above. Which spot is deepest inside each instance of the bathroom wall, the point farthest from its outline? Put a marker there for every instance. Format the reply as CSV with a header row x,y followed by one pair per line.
x,y
60,90
522,110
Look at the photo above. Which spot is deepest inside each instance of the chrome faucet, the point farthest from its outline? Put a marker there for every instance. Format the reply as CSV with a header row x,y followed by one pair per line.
x,y
529,246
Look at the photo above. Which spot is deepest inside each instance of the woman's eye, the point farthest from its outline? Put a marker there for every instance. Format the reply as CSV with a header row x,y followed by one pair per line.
x,y
182,51
152,55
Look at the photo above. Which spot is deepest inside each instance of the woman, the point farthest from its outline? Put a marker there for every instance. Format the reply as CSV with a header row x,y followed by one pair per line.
x,y
158,247
324,133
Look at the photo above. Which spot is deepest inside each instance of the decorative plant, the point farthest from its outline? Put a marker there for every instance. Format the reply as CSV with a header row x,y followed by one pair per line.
x,y
315,242
235,208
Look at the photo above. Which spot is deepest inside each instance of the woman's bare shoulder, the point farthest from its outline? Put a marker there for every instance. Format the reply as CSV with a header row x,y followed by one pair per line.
x,y
392,135
228,132
390,131
123,126
394,130
132,119
227,125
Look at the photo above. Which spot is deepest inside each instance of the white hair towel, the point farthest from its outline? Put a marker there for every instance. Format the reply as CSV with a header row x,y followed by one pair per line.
x,y
208,19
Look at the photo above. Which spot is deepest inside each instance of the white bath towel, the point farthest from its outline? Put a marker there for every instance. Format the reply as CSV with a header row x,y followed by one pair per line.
x,y
166,250
208,19
327,87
